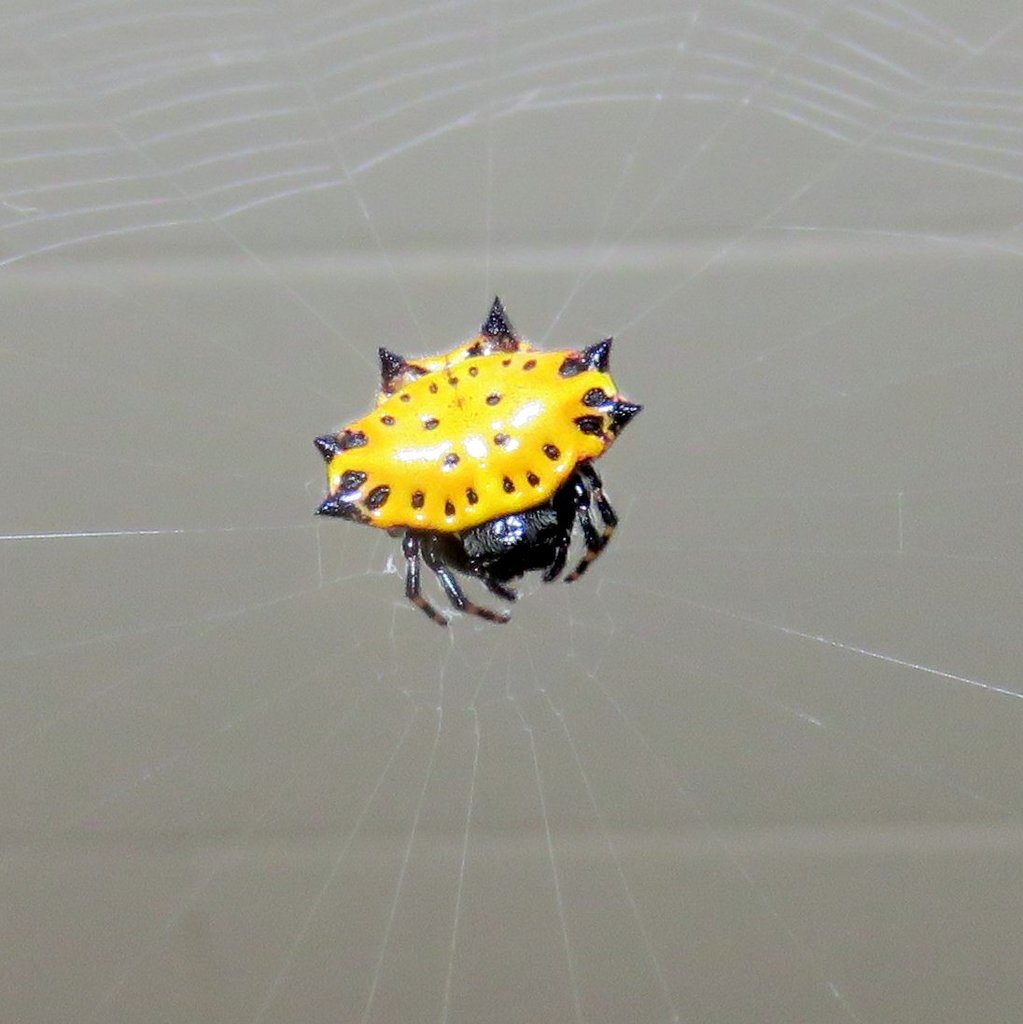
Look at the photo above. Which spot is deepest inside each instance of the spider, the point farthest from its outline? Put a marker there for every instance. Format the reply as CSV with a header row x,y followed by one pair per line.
x,y
482,461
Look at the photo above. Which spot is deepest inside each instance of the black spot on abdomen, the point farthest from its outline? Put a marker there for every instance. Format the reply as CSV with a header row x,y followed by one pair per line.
x,y
352,480
590,425
349,439
377,497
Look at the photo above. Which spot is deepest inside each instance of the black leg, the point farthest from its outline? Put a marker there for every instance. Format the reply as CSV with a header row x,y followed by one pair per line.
x,y
595,542
454,590
410,547
607,513
497,587
553,571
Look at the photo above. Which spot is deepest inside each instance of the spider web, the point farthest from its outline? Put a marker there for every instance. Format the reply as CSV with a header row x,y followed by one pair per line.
x,y
761,762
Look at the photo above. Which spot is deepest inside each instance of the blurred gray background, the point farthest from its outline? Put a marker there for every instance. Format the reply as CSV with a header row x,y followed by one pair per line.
x,y
762,764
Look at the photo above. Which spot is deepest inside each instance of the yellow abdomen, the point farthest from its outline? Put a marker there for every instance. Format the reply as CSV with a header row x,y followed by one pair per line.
x,y
485,437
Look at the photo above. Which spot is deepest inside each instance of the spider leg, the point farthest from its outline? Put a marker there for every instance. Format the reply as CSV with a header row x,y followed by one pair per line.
x,y
595,542
453,588
497,587
553,571
410,547
607,513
